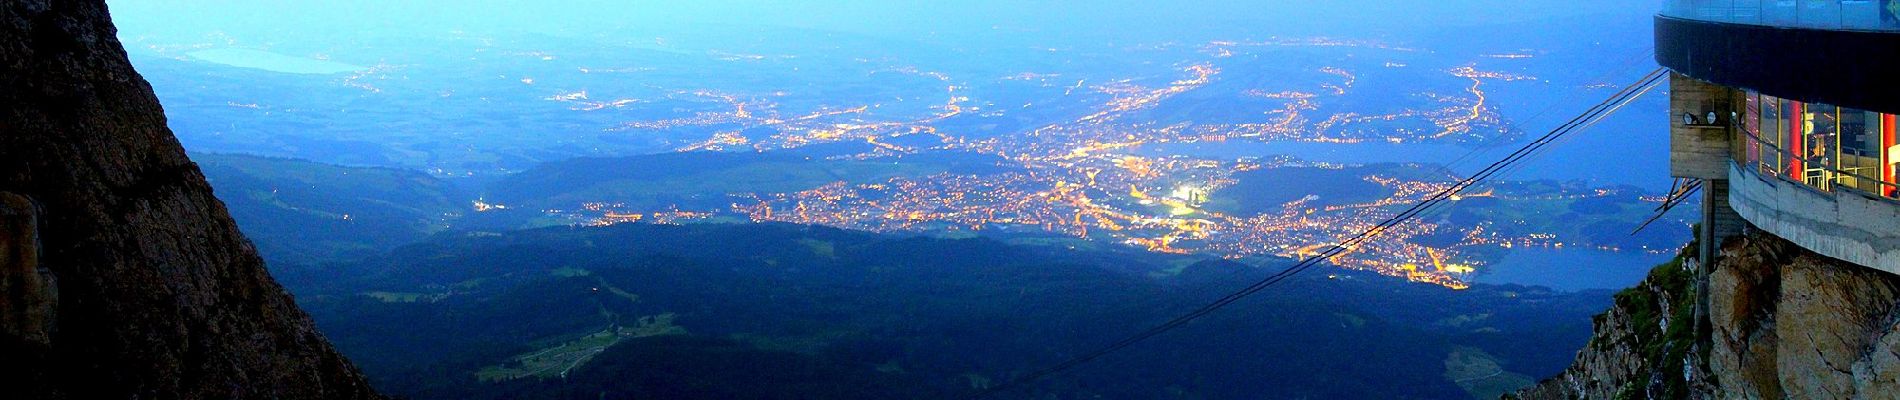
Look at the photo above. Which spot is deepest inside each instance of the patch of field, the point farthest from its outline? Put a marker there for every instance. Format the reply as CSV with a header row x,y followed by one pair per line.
x,y
624,294
821,248
557,361
405,297
551,362
1480,374
1351,320
570,272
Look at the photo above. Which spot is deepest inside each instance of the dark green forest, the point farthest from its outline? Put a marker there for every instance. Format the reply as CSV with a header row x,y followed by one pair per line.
x,y
299,212
433,306
694,311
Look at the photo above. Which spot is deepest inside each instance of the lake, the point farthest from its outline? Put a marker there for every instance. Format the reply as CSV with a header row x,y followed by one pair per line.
x,y
1616,152
1571,269
274,62
1346,153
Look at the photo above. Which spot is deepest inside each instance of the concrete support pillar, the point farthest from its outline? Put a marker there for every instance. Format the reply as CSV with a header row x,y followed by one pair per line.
x,y
1720,218
1703,119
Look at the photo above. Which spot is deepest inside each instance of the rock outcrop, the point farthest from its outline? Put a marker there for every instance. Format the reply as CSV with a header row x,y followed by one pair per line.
x,y
29,299
1783,322
120,275
1792,324
1639,347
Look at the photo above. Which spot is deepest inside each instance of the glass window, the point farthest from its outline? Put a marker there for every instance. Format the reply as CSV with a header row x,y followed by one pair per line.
x,y
1860,14
1860,149
1824,14
1774,128
1751,130
1883,15
1890,14
1860,133
1820,146
1817,126
1780,12
1747,12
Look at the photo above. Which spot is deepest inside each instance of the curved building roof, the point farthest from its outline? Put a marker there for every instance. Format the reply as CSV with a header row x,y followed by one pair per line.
x,y
1857,68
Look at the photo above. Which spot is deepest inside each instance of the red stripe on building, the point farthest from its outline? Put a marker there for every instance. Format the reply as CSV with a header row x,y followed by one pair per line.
x,y
1886,148
1797,143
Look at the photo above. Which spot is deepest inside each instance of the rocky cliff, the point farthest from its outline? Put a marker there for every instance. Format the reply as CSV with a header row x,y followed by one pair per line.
x,y
1639,346
120,275
1783,322
1792,324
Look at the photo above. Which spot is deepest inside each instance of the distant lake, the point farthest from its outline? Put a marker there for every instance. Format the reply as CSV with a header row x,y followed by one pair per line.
x,y
1571,269
1347,153
268,61
1583,157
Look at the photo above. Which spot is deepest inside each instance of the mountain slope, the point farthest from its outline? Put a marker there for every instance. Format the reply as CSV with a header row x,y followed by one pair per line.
x,y
302,213
124,277
1639,347
635,309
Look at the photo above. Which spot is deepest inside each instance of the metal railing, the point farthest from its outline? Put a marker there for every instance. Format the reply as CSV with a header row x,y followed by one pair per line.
x,y
1819,172
1859,15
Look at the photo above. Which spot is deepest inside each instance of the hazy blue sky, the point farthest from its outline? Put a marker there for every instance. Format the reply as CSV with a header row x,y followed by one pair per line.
x,y
1129,19
1596,34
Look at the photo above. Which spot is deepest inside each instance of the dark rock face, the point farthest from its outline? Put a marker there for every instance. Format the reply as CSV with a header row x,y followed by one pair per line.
x,y
1784,323
120,275
29,299
1789,323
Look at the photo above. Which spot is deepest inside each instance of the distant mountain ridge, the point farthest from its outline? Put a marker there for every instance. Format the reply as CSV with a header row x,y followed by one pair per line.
x,y
302,213
704,178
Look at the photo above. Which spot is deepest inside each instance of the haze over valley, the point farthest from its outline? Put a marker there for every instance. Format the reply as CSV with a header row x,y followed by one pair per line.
x,y
917,200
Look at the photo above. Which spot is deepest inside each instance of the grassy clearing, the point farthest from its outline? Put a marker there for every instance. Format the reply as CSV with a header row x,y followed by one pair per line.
x,y
557,361
1481,375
